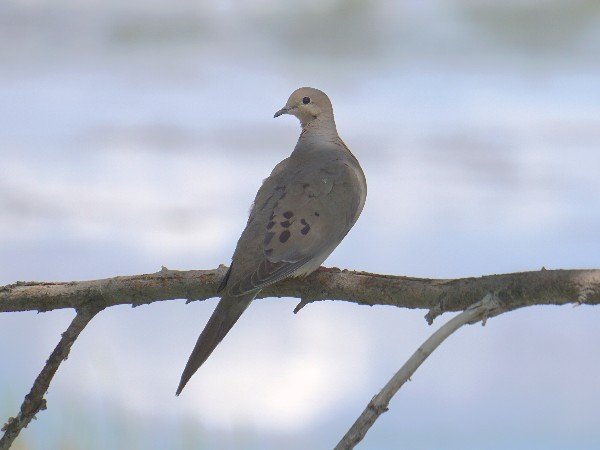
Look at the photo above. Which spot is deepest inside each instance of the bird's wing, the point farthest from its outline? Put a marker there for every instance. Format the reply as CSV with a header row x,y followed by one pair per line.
x,y
300,217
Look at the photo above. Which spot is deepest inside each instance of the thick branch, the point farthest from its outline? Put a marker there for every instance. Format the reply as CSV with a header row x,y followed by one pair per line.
x,y
379,404
515,290
512,291
34,401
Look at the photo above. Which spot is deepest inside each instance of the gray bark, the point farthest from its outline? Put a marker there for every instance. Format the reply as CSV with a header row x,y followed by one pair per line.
x,y
509,291
516,290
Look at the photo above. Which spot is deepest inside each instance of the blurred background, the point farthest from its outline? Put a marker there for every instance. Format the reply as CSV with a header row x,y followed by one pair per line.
x,y
134,135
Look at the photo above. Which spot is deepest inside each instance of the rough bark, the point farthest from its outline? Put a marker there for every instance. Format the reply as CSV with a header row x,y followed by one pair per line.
x,y
510,291
516,290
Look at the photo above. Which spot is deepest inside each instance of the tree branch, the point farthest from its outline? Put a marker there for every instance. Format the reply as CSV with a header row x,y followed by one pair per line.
x,y
514,290
487,307
34,401
511,291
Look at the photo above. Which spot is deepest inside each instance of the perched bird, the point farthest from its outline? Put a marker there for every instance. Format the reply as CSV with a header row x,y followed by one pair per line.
x,y
300,214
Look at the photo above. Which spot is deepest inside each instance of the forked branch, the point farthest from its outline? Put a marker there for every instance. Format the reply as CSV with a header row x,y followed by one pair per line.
x,y
510,291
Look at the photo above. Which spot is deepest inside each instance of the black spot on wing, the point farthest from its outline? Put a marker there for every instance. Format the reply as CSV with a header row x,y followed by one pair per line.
x,y
284,236
286,224
305,230
288,214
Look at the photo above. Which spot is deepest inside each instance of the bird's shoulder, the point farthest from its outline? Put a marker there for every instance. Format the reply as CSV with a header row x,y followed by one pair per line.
x,y
299,169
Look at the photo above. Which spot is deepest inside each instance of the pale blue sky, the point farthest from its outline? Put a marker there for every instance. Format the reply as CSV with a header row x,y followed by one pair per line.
x,y
135,135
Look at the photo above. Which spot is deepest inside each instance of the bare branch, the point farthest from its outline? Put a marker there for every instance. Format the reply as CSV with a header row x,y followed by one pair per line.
x,y
34,401
89,297
514,290
489,306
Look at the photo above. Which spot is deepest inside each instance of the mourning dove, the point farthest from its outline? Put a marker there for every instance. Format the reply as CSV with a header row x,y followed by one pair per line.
x,y
301,213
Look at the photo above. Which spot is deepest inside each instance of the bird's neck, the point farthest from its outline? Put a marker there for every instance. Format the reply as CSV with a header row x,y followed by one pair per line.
x,y
319,131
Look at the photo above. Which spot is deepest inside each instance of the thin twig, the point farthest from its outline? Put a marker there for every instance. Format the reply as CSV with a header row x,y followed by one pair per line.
x,y
487,307
34,401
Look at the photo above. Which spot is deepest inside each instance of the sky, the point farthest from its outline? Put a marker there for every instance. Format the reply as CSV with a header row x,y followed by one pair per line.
x,y
134,135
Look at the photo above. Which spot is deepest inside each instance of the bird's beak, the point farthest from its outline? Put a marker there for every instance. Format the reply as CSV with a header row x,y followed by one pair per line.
x,y
284,110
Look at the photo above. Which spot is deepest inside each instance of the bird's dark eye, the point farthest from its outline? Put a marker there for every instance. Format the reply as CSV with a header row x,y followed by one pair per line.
x,y
306,100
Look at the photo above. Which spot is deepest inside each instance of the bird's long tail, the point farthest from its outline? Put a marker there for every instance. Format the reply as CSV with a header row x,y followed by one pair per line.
x,y
226,314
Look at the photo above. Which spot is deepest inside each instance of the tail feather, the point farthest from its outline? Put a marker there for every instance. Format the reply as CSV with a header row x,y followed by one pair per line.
x,y
226,314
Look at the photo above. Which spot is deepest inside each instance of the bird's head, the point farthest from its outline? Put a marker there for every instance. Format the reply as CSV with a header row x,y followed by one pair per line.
x,y
307,104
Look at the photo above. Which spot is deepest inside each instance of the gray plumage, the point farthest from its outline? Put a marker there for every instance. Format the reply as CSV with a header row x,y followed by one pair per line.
x,y
300,214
